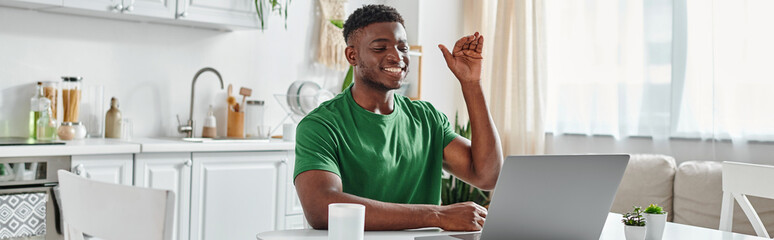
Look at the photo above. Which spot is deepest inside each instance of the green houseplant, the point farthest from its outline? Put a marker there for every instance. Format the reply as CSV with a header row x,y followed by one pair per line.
x,y
454,190
656,218
654,209
350,72
634,222
265,7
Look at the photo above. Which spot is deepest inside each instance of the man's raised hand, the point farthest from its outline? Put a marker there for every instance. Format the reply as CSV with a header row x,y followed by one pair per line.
x,y
465,59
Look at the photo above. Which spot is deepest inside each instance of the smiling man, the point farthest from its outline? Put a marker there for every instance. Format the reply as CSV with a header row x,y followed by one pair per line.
x,y
371,146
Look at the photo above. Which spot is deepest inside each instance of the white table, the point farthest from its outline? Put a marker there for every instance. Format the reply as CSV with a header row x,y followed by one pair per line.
x,y
613,230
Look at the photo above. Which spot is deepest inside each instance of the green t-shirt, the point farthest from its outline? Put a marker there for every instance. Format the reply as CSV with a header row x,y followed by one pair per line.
x,y
393,158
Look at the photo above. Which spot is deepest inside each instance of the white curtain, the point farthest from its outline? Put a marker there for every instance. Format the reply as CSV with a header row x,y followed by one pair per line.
x,y
514,69
728,77
661,68
606,68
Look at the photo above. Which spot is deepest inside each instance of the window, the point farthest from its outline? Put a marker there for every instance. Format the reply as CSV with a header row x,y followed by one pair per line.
x,y
661,68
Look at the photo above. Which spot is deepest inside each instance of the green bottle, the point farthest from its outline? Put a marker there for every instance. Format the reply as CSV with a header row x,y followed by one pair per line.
x,y
35,111
46,123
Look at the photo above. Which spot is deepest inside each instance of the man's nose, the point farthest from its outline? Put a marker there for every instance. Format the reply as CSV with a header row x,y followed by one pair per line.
x,y
394,55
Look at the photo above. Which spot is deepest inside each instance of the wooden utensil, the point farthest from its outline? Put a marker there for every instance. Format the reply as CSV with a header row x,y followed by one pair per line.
x,y
245,92
231,99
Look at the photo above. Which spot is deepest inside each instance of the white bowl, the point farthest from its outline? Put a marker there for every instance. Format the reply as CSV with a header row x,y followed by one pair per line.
x,y
301,96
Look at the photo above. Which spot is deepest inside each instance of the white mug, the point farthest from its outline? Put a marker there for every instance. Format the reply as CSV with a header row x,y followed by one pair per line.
x,y
289,132
346,221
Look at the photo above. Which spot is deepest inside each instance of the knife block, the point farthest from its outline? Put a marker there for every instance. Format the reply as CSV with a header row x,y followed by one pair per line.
x,y
235,126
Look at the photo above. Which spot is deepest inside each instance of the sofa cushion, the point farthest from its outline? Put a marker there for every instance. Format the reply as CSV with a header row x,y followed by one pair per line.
x,y
648,179
698,197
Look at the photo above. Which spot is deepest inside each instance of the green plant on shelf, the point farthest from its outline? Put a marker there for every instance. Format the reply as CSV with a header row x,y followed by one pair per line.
x,y
264,7
634,218
454,190
350,72
654,209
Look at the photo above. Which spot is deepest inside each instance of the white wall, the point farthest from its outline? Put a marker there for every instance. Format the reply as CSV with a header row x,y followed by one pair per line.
x,y
440,22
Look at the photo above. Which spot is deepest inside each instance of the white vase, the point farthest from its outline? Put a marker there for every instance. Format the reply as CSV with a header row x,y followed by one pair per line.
x,y
656,224
634,232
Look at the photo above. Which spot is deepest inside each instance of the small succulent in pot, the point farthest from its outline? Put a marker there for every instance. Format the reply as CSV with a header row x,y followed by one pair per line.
x,y
634,218
635,225
654,209
656,217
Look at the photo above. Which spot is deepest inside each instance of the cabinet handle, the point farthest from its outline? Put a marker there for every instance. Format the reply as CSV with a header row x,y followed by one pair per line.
x,y
117,8
188,163
182,15
128,8
80,170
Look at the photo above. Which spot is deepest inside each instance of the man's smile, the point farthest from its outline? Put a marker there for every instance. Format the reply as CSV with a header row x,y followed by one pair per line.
x,y
394,71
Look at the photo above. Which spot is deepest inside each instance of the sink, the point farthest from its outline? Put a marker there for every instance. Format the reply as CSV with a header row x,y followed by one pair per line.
x,y
226,140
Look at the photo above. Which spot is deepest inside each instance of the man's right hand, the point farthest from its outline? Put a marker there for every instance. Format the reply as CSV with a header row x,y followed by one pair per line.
x,y
466,216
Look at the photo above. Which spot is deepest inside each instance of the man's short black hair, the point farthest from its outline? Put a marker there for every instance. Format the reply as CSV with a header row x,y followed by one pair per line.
x,y
369,14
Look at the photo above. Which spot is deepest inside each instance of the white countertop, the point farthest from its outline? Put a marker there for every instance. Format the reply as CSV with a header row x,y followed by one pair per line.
x,y
74,147
141,145
150,145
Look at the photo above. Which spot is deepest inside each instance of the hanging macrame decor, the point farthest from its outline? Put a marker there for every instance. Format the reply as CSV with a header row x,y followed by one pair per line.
x,y
332,45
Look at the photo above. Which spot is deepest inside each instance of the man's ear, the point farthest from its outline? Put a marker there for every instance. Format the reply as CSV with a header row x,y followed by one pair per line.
x,y
351,55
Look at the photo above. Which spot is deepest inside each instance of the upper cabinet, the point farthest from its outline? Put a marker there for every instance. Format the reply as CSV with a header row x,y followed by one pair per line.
x,y
31,4
239,13
215,14
151,8
164,9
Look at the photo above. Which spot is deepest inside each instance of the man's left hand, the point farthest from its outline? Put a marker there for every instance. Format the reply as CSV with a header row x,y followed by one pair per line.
x,y
465,59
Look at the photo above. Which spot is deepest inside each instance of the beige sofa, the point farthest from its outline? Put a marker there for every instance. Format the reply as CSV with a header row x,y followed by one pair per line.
x,y
690,192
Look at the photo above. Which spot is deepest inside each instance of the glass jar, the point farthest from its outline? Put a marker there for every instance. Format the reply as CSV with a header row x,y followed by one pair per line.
x,y
253,118
71,98
80,130
51,91
66,131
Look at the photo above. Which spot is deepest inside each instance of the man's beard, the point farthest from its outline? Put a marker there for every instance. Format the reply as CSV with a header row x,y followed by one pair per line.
x,y
370,80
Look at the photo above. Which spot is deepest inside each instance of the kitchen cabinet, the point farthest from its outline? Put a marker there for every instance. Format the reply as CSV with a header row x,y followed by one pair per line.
x,y
217,14
239,13
31,4
235,195
168,171
111,168
294,213
148,8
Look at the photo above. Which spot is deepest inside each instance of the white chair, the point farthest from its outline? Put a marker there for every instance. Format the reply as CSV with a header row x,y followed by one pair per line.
x,y
740,180
114,212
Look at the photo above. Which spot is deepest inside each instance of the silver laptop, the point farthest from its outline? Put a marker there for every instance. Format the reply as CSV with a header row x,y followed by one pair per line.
x,y
551,197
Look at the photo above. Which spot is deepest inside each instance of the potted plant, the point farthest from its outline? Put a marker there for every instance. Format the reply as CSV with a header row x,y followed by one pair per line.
x,y
656,218
264,7
635,225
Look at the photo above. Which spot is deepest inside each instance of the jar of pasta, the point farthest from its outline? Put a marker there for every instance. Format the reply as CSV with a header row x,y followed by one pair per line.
x,y
71,98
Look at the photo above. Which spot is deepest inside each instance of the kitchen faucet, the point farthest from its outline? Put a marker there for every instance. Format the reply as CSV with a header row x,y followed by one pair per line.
x,y
189,129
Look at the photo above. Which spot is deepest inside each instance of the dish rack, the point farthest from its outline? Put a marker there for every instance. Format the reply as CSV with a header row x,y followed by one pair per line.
x,y
302,97
299,107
